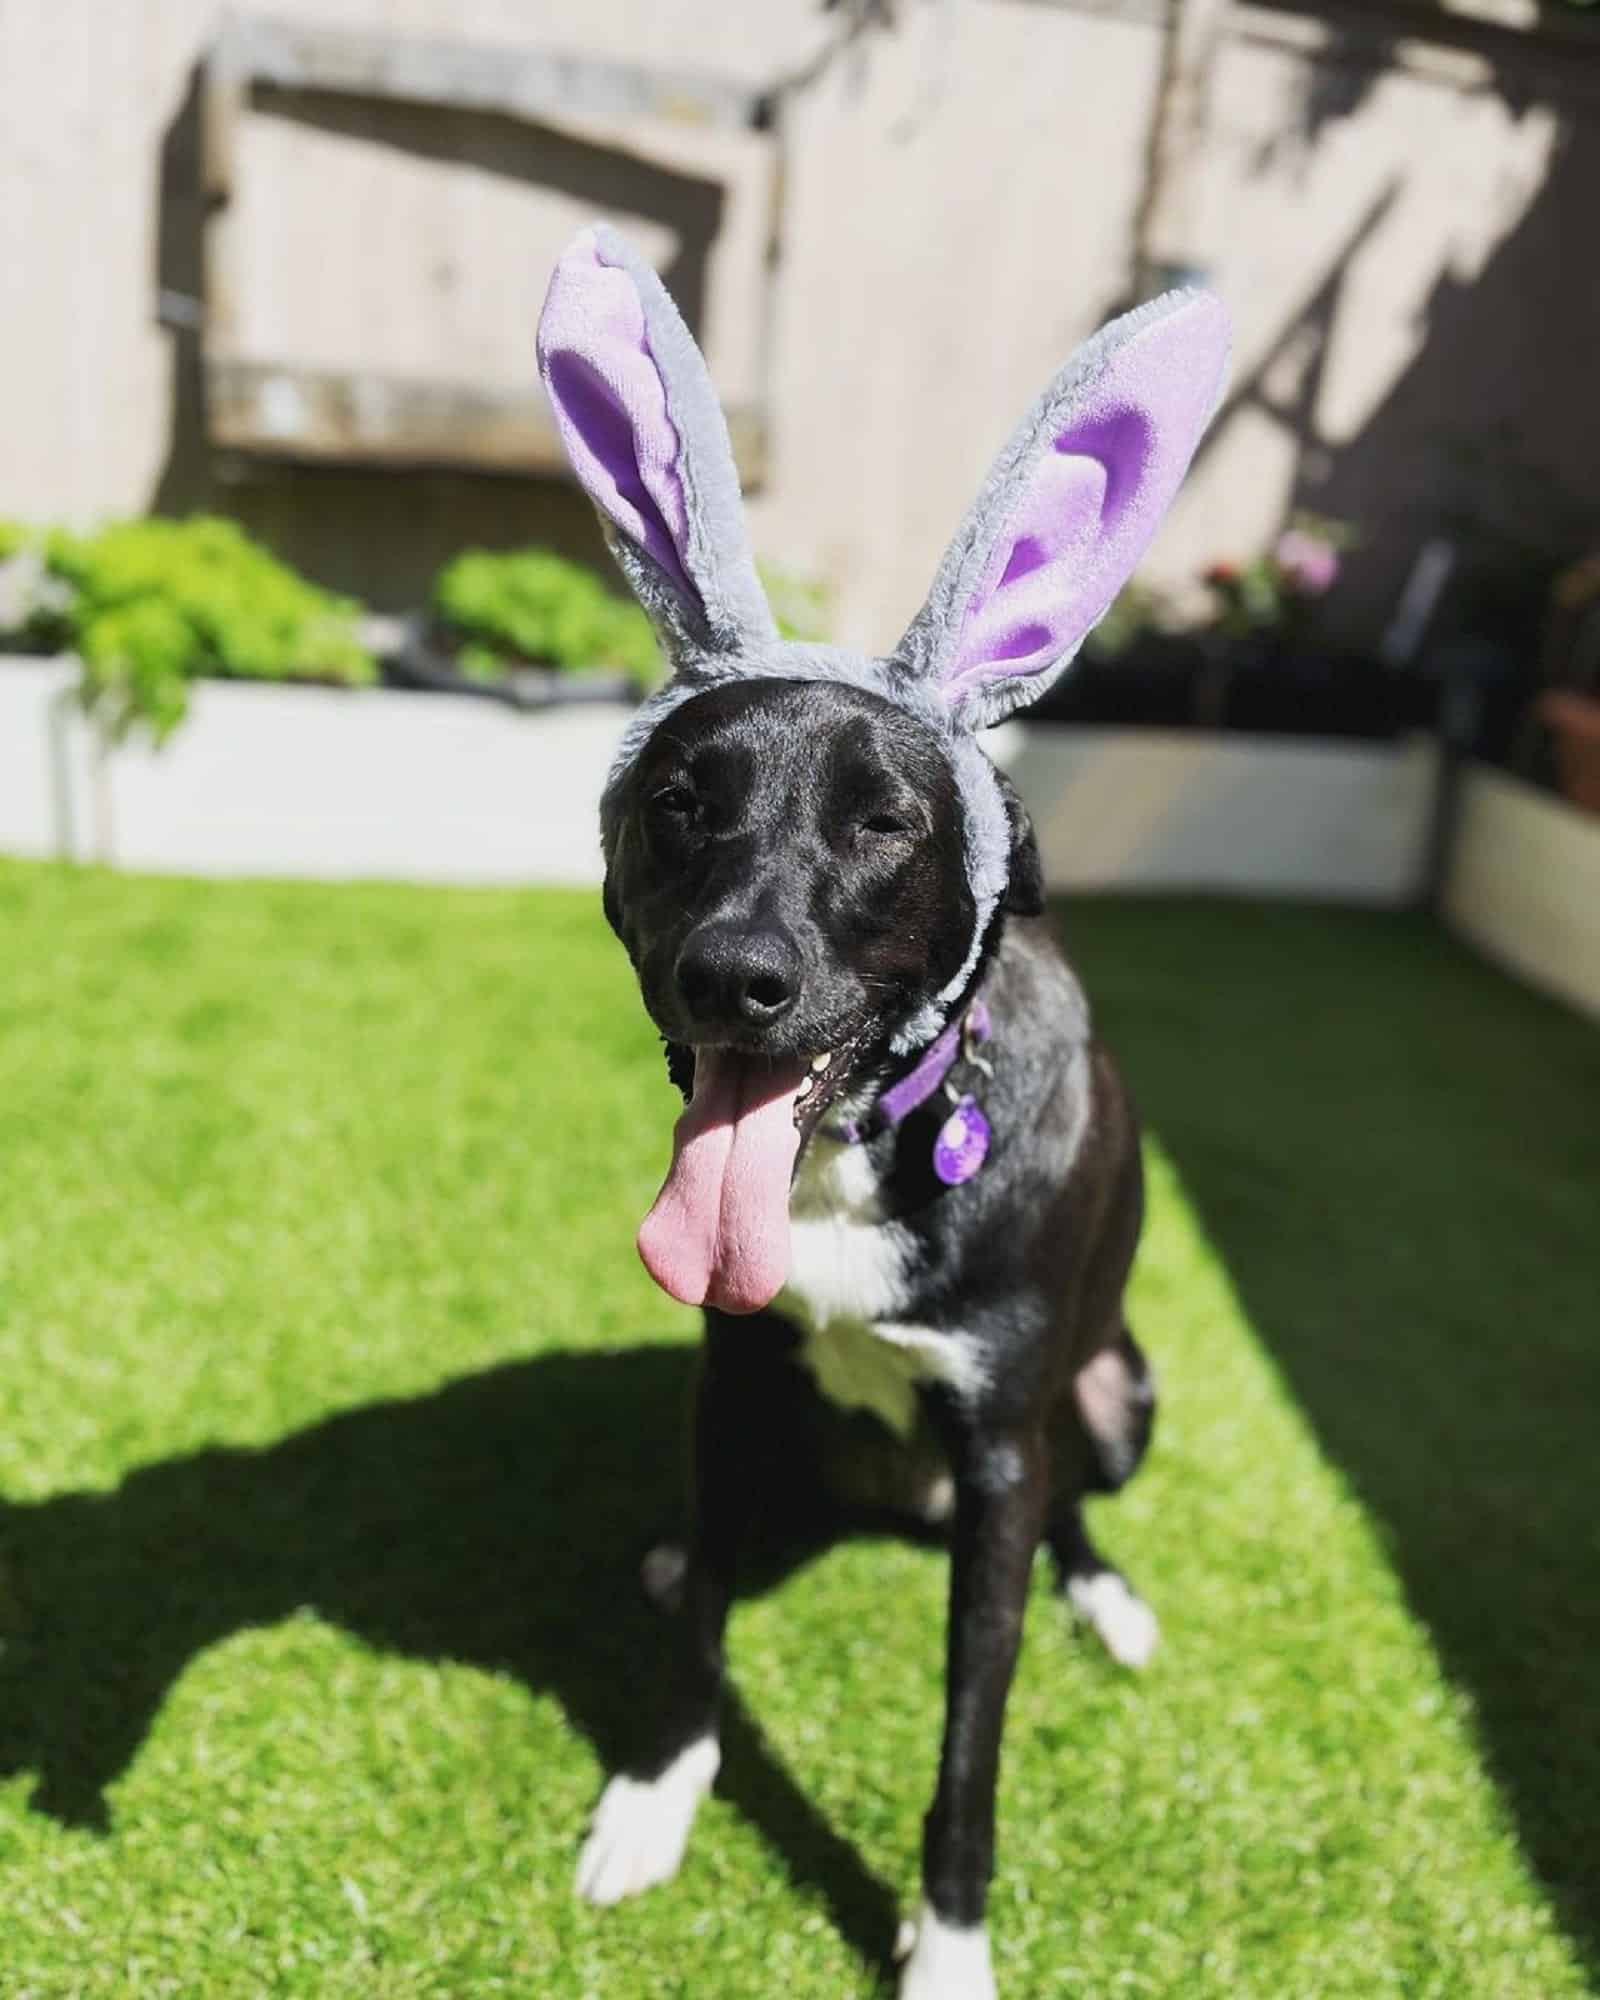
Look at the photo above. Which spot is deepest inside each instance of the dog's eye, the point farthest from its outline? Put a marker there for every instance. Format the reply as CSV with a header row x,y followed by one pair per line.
x,y
675,802
885,825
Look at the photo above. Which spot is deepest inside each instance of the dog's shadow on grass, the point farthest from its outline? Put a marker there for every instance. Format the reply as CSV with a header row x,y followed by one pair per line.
x,y
497,1521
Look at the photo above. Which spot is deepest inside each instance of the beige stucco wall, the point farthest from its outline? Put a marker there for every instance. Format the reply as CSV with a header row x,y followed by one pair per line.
x,y
1396,242
1404,246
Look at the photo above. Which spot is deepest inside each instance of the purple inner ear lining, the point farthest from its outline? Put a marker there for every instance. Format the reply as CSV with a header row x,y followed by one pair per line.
x,y
1020,619
1023,643
1124,445
1027,554
1070,507
1081,522
595,411
1112,436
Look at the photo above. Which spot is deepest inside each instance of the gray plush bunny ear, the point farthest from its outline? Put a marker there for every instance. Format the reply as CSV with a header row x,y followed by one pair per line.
x,y
647,438
1068,509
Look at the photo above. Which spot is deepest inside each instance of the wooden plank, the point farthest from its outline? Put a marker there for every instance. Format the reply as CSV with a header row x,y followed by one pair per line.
x,y
1141,13
1168,229
308,415
1551,23
1553,56
222,105
538,86
273,411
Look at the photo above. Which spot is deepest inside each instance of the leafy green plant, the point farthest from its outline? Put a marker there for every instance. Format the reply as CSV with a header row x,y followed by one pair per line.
x,y
33,603
801,604
533,606
154,604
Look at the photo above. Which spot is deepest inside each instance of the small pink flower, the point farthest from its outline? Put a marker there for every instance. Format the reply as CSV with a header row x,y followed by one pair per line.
x,y
1308,563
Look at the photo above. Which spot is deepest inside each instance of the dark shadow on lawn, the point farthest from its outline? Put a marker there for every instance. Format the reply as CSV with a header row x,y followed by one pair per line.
x,y
498,1521
1396,1151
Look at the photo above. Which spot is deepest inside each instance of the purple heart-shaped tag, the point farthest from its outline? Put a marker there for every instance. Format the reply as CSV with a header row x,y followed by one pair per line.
x,y
962,1145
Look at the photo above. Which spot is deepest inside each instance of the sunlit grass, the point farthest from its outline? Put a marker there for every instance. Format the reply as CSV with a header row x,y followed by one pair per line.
x,y
337,1411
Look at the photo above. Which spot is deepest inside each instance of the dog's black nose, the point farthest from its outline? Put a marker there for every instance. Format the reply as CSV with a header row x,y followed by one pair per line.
x,y
738,978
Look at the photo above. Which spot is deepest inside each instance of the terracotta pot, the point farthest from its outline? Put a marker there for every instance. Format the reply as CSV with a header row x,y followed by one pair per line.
x,y
1574,722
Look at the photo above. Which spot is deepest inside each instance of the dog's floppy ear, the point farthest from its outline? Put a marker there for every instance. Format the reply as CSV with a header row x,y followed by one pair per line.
x,y
1068,509
646,435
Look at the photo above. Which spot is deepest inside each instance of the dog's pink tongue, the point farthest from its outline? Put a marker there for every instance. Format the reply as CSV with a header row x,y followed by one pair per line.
x,y
718,1234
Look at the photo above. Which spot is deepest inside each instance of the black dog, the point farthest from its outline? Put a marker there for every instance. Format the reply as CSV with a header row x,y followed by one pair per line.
x,y
906,1186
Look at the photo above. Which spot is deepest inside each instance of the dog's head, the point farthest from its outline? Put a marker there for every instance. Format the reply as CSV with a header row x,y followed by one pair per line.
x,y
807,852
788,868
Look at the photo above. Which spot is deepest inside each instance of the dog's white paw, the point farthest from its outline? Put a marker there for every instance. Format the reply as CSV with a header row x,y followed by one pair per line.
x,y
943,1961
662,1573
1124,1623
641,1826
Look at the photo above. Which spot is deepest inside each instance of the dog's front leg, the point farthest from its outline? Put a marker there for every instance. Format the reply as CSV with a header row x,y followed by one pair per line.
x,y
1002,1492
641,1825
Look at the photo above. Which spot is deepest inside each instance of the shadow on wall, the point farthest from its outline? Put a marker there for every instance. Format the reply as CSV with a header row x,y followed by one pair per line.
x,y
382,534
435,1527
1481,435
1405,1201
1489,434
1486,435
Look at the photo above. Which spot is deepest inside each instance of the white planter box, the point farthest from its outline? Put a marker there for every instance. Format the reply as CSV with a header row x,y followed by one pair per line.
x,y
323,782
1524,885
1237,815
44,778
440,788
326,782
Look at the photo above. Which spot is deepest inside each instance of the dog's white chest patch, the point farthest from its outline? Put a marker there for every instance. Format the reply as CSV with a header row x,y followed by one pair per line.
x,y
847,1289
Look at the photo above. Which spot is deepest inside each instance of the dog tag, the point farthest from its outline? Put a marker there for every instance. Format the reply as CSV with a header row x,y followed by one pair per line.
x,y
963,1143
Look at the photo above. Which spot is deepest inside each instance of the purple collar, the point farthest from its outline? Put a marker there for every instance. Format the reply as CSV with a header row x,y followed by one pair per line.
x,y
963,1141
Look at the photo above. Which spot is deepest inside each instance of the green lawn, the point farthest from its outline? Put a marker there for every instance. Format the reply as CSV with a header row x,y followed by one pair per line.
x,y
337,1412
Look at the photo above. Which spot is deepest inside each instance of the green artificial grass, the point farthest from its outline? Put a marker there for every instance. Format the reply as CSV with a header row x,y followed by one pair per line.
x,y
337,1414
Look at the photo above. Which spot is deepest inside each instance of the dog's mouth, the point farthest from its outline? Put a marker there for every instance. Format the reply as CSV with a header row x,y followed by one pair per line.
x,y
718,1233
827,1076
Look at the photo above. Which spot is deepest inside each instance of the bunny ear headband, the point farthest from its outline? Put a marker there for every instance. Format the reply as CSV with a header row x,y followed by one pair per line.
x,y
1067,510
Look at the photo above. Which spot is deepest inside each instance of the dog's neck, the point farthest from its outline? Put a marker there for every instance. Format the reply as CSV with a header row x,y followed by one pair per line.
x,y
960,1040
906,1082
